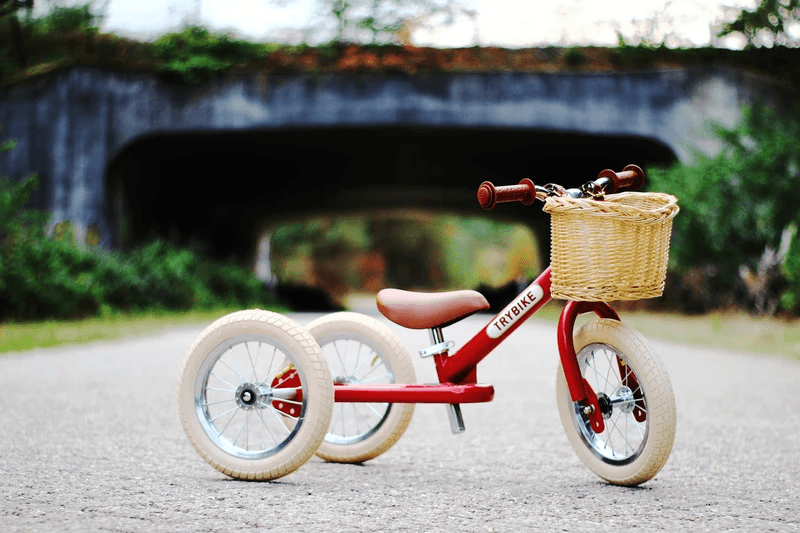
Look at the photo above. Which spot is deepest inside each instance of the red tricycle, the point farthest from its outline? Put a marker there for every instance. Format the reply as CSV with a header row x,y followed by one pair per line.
x,y
258,394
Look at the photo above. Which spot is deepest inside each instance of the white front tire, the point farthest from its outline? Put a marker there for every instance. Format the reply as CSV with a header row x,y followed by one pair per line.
x,y
639,412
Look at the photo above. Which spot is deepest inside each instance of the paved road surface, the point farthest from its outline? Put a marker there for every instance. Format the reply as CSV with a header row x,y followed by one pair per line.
x,y
90,441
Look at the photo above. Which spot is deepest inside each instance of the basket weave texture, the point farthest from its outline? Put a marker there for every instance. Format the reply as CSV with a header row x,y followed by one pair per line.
x,y
609,250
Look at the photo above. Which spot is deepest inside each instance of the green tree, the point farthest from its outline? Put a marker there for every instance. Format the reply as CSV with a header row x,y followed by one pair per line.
x,y
8,10
13,197
50,276
738,209
81,18
25,31
381,21
767,24
9,7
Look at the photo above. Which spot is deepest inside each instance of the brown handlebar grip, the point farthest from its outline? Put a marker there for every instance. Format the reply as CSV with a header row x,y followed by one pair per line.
x,y
489,195
631,177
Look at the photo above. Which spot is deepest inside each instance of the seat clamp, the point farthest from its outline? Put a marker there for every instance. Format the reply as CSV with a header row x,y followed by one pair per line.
x,y
436,349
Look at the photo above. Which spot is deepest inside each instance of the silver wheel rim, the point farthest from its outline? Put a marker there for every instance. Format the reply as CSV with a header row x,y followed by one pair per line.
x,y
235,402
623,438
353,359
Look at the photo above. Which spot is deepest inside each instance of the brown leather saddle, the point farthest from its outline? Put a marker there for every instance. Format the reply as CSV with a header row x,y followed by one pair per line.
x,y
420,310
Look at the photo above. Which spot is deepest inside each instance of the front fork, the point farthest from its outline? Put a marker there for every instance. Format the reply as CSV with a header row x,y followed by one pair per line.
x,y
579,389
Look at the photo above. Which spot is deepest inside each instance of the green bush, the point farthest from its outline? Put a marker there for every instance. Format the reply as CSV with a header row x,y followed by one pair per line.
x,y
574,57
13,197
194,54
45,276
790,299
735,206
68,20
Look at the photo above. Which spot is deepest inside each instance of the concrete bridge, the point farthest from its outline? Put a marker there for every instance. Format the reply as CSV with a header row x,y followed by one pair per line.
x,y
130,156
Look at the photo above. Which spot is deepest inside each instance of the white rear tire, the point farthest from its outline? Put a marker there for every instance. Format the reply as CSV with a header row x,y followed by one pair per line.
x,y
254,395
360,349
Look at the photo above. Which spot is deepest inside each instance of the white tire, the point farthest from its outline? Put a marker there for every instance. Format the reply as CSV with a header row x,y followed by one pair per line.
x,y
628,451
359,349
233,406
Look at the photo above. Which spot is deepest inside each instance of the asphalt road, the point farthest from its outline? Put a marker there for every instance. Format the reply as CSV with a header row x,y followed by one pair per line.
x,y
90,441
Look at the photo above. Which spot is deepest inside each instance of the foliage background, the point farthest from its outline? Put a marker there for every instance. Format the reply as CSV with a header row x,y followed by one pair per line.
x,y
49,275
735,240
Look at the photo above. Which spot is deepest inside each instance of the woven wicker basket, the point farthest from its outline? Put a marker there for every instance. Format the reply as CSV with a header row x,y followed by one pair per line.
x,y
616,249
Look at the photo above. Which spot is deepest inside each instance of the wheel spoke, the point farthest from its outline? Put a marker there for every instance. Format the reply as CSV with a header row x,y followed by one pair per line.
x,y
282,400
240,431
355,416
233,387
358,358
374,411
247,431
229,421
373,369
612,358
363,381
608,385
364,418
608,374
626,435
611,430
223,414
339,355
235,362
265,426
594,367
369,357
238,374
271,361
278,416
252,364
608,443
206,404
639,426
281,364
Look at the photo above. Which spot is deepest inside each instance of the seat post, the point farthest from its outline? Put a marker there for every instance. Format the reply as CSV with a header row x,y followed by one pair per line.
x,y
454,409
436,335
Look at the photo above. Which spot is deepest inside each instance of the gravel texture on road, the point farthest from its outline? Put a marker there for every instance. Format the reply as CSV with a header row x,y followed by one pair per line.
x,y
90,441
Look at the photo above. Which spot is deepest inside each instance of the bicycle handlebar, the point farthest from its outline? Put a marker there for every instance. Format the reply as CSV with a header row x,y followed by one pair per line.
x,y
607,182
489,195
631,177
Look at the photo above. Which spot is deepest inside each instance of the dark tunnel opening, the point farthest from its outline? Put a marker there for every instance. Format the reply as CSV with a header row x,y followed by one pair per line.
x,y
217,190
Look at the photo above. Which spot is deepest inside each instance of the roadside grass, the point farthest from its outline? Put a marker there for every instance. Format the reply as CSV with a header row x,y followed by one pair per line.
x,y
729,331
737,332
25,336
726,330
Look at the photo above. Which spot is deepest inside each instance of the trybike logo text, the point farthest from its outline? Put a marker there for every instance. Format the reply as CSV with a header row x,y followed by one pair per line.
x,y
514,311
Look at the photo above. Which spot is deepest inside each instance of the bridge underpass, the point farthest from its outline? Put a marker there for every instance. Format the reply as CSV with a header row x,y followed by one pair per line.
x,y
221,161
223,190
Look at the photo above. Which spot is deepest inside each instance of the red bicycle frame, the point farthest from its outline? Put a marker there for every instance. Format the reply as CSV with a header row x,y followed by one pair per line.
x,y
458,372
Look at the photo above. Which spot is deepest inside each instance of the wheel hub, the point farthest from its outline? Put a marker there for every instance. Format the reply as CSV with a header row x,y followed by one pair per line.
x,y
605,405
623,399
252,395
